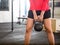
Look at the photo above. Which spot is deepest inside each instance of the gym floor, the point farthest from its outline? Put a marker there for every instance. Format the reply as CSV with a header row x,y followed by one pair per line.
x,y
16,37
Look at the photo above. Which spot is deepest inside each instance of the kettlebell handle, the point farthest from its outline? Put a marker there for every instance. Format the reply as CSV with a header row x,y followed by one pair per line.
x,y
38,21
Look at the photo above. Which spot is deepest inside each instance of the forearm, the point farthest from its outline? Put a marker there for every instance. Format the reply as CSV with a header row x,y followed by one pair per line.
x,y
35,15
42,13
34,12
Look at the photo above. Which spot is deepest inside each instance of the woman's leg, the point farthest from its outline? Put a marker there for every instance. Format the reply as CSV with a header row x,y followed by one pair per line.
x,y
47,24
28,31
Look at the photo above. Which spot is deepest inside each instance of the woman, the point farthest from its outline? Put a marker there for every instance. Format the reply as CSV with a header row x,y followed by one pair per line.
x,y
39,10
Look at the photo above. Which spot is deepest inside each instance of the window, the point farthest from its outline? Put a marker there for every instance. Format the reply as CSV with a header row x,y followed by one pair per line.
x,y
4,5
57,4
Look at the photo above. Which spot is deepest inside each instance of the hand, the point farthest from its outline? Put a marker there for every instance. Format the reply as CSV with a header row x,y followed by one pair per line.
x,y
40,17
35,18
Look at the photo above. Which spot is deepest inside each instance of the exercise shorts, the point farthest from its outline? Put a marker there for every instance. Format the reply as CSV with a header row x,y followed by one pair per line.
x,y
47,14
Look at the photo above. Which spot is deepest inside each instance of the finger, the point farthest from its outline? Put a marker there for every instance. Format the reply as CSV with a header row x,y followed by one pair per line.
x,y
40,19
34,19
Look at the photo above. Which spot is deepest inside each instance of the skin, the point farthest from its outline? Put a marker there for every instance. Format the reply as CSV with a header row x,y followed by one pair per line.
x,y
47,24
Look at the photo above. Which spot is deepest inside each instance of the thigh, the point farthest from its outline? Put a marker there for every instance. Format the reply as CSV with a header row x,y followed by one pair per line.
x,y
30,14
47,14
29,24
47,24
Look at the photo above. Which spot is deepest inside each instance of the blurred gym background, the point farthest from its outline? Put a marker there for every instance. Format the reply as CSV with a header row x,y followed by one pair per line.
x,y
13,16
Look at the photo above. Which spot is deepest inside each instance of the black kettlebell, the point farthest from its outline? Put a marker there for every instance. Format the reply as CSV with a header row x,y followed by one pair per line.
x,y
38,26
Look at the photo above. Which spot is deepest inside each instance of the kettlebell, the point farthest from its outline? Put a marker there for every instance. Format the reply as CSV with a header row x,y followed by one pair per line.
x,y
38,26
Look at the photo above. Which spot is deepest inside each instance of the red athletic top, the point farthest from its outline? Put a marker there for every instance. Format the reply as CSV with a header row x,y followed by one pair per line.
x,y
39,5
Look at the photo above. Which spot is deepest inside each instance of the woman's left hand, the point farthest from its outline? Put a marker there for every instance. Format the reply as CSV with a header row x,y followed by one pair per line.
x,y
40,17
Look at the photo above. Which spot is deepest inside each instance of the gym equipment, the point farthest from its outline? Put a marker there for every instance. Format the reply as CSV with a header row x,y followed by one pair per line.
x,y
38,26
22,20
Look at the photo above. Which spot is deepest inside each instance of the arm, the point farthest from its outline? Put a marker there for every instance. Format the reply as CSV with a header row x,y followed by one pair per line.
x,y
41,16
34,12
36,18
42,13
35,15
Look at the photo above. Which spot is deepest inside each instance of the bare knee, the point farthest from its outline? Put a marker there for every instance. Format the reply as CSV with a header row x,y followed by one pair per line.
x,y
48,30
47,24
29,25
28,30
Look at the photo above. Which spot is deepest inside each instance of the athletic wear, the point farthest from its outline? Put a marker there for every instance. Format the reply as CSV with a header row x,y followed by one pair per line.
x,y
46,15
39,5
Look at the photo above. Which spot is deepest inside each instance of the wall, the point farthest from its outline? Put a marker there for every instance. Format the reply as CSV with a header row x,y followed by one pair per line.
x,y
5,16
18,10
15,10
